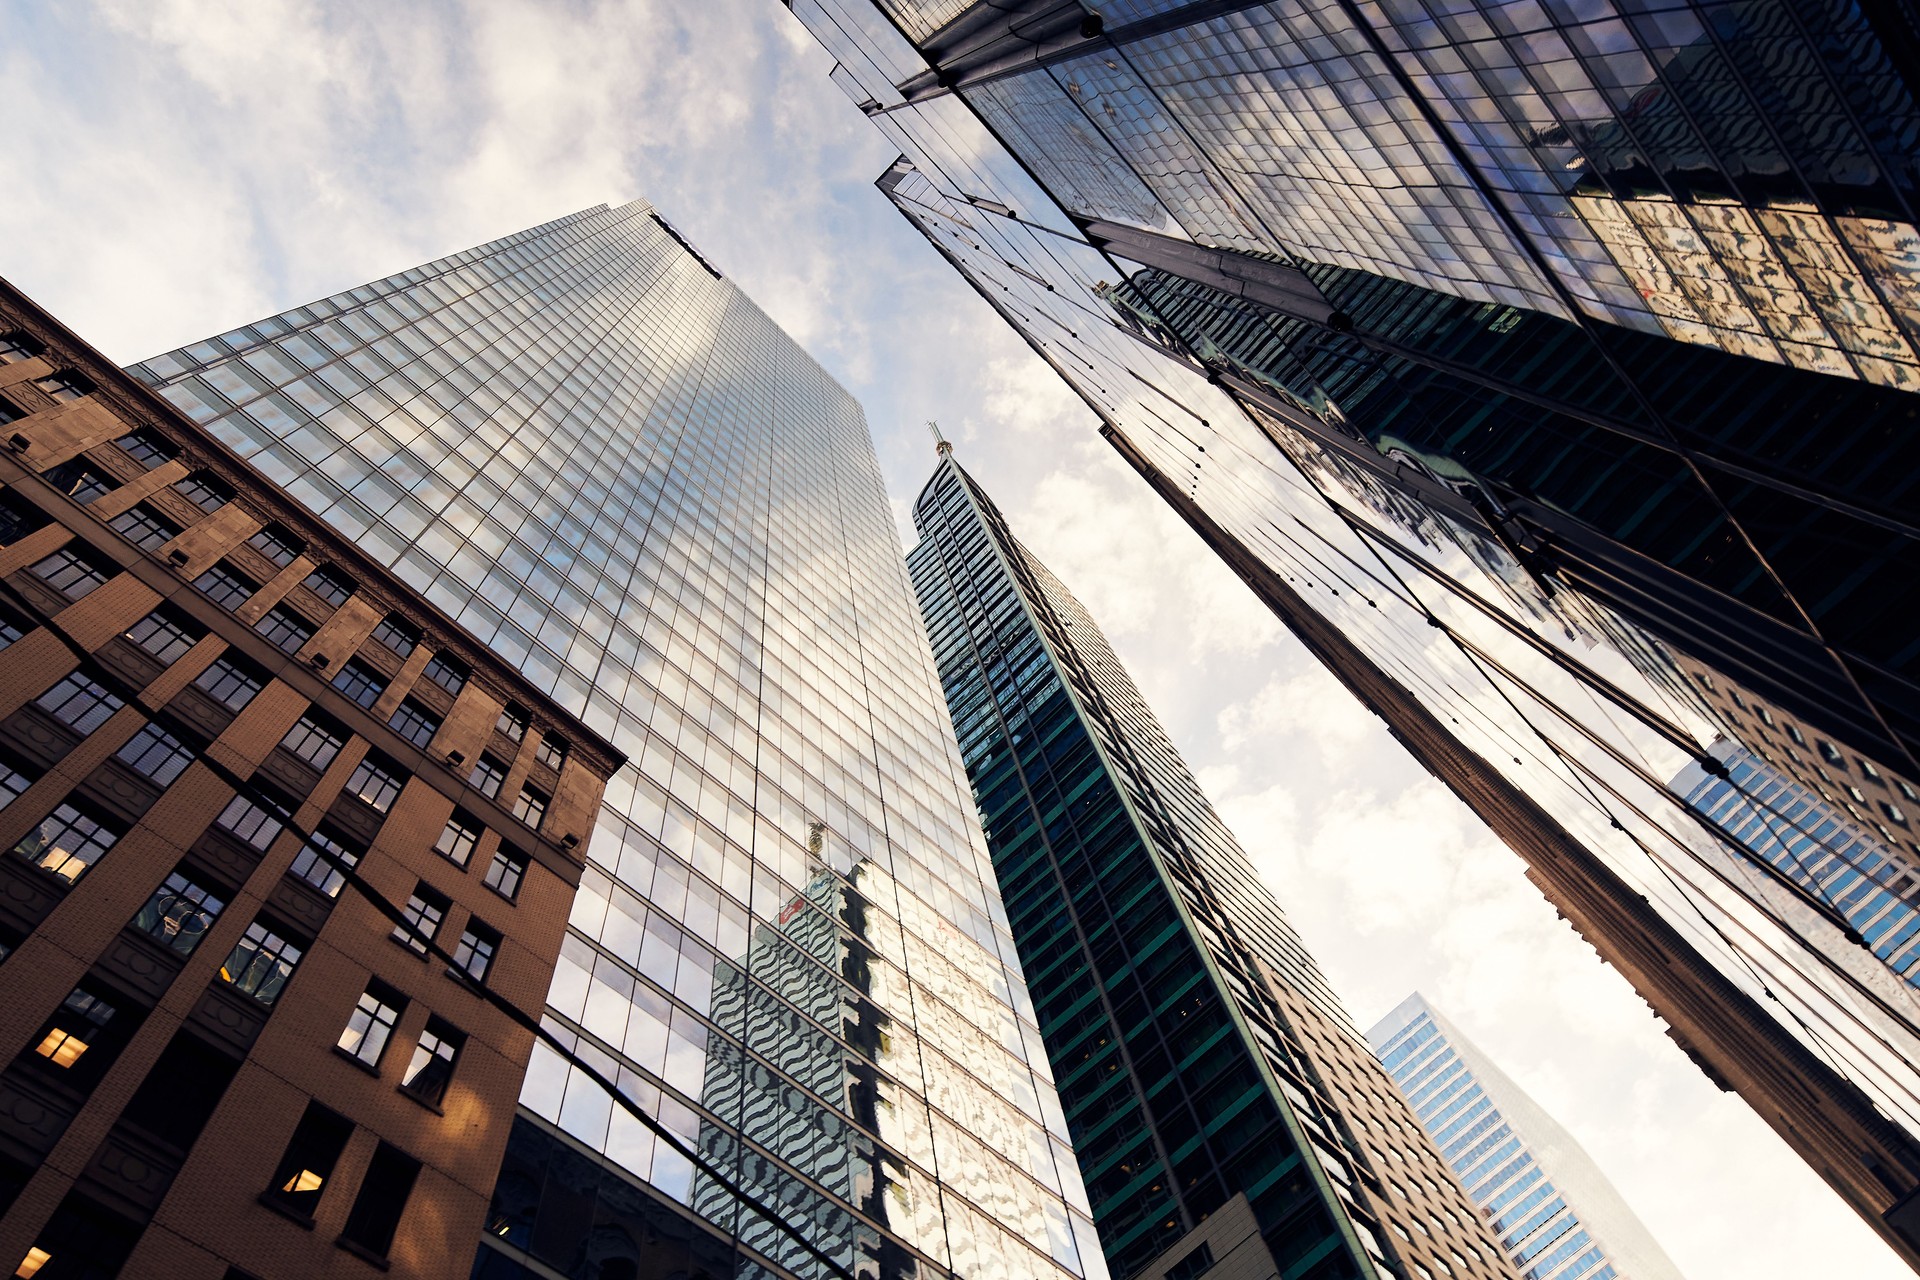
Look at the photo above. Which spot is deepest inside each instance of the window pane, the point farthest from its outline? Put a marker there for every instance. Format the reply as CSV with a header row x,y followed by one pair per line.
x,y
144,527
79,702
164,637
66,843
314,742
261,964
228,682
179,913
371,1023
157,754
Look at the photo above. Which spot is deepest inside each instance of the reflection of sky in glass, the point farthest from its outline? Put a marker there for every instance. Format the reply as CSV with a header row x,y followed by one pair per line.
x,y
614,469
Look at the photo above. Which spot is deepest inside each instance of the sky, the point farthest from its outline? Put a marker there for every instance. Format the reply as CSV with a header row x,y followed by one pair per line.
x,y
174,168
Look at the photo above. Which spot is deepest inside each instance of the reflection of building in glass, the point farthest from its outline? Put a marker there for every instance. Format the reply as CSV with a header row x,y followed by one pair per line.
x,y
1555,1212
1203,1062
787,946
1277,250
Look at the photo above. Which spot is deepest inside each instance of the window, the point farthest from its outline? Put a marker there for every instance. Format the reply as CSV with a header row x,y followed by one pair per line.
x,y
250,822
474,955
77,701
457,839
448,673
330,585
513,722
154,753
504,874
64,387
371,1023
322,861
79,1024
1830,752
80,480
15,347
1894,813
144,527
394,633
11,629
277,545
376,1211
1867,770
179,913
1793,731
415,723
66,843
488,774
205,491
531,807
261,963
360,682
424,912
1197,1262
230,683
1906,790
164,636
287,630
377,781
311,1154
226,586
552,751
148,448
71,571
431,1070
315,742
18,519
13,784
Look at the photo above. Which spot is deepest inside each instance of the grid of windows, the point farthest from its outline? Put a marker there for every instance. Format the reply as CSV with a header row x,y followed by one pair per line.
x,y
276,544
144,527
431,1070
458,838
425,909
372,1023
360,682
226,586
314,740
79,702
488,773
73,572
66,842
394,633
156,754
164,636
230,683
80,480
63,388
179,913
261,962
446,671
552,750
377,781
530,807
415,723
250,822
323,862
474,955
504,873
287,630
329,584
205,491
148,448
13,785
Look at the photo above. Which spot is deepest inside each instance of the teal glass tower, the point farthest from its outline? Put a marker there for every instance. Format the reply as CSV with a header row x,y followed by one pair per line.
x,y
1220,1100
788,947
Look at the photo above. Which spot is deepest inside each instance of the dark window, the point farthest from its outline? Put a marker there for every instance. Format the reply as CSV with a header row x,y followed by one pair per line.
x,y
205,491
376,1211
394,633
287,630
431,1069
458,838
322,860
425,909
531,807
144,527
360,682
179,913
64,387
506,870
371,1023
449,673
74,572
18,518
261,962
315,741
513,722
90,1241
488,773
156,754
231,683
1831,753
552,751
80,480
277,545
66,843
311,1154
181,1090
11,629
15,347
79,1024
226,586
377,781
75,700
250,822
164,636
478,946
415,723
1195,1263
148,448
330,585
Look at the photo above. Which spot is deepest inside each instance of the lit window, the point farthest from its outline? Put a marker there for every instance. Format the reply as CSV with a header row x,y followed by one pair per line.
x,y
311,1154
79,702
513,722
1893,812
165,637
226,586
229,683
179,914
330,585
504,873
63,388
144,527
488,773
425,909
1867,770
156,754
66,843
395,634
531,807
552,751
360,682
76,1028
285,629
474,955
458,839
1793,731
261,963
148,448
205,491
376,781
431,1070
323,861
314,742
72,572
446,672
277,545
371,1023
80,480
249,822
415,723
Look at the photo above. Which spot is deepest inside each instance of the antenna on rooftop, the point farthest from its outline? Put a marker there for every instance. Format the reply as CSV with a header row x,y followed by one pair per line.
x,y
940,445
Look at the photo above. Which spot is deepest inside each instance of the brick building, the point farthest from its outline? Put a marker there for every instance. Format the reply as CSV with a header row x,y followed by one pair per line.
x,y
218,721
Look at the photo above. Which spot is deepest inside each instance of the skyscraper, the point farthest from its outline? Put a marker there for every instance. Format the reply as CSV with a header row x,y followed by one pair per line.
x,y
1402,363
787,949
1556,1215
1220,1100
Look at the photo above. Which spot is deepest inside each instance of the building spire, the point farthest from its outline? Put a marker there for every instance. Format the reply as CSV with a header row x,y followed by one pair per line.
x,y
940,445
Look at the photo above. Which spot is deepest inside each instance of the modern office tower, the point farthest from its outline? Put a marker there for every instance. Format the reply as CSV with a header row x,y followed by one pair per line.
x,y
1503,486
1557,1216
1222,1104
787,950
229,740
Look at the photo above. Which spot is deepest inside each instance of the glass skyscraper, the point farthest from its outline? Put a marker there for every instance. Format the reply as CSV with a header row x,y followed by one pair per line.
x,y
1387,304
1555,1212
788,946
1220,1100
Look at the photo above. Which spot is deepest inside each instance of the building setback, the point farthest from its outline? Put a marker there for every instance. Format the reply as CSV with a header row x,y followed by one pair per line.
x,y
787,949
1555,1212
1220,1101
214,708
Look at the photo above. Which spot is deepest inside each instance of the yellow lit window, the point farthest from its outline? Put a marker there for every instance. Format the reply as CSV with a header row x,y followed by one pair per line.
x,y
30,1265
63,1049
